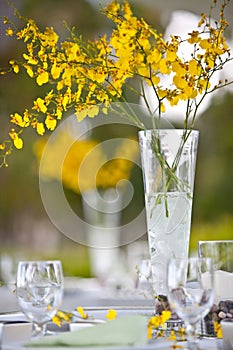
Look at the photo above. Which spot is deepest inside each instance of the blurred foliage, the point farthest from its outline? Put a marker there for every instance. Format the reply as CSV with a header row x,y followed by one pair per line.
x,y
216,229
213,205
20,202
215,162
75,260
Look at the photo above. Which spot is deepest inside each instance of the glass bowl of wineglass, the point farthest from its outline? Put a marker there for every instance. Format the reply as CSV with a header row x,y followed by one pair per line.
x,y
39,290
190,288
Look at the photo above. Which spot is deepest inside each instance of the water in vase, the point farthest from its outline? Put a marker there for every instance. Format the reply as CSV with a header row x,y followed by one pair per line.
x,y
168,233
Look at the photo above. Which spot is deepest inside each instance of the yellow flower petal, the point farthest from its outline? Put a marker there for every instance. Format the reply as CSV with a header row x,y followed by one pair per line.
x,y
163,66
111,315
40,128
162,107
56,320
81,114
172,335
218,329
166,315
56,71
29,71
93,111
17,119
30,59
50,123
41,105
18,143
9,31
180,82
171,55
42,78
81,312
149,331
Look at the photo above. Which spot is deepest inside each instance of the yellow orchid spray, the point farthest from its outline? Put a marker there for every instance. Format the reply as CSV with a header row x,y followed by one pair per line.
x,y
87,76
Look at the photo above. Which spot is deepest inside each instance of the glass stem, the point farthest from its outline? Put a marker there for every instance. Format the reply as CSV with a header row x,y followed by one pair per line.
x,y
38,330
192,336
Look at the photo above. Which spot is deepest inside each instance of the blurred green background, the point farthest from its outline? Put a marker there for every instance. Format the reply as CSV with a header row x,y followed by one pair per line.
x,y
25,229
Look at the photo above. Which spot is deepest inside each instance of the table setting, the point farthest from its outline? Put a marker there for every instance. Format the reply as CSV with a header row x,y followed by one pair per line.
x,y
134,325
189,293
41,323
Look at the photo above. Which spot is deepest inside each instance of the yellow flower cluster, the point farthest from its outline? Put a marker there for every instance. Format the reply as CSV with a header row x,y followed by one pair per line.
x,y
86,165
158,321
61,317
88,76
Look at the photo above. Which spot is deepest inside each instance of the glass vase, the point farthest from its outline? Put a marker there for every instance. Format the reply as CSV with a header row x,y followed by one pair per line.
x,y
168,158
102,214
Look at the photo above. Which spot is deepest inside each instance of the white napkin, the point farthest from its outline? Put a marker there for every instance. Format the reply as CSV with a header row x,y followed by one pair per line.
x,y
123,331
14,332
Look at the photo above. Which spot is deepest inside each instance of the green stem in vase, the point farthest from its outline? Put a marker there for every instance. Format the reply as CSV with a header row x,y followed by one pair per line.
x,y
167,178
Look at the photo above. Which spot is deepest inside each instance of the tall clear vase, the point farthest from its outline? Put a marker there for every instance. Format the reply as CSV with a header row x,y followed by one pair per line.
x,y
102,214
168,159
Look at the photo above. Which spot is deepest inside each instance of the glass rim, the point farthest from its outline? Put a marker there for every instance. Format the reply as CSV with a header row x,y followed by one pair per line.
x,y
195,131
215,241
39,261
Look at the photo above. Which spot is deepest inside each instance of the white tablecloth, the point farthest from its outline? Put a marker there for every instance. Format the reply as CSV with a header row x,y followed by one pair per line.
x,y
11,343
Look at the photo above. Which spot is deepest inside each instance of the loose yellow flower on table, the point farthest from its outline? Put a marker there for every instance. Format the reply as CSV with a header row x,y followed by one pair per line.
x,y
62,317
111,315
82,313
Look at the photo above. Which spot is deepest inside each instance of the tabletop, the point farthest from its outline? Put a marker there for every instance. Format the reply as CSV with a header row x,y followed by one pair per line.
x,y
96,303
20,333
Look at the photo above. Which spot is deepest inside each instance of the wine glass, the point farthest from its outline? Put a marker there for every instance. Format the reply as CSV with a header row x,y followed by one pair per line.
x,y
39,290
190,288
